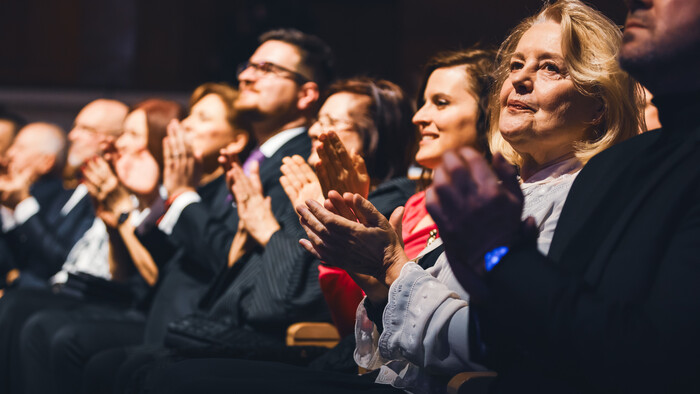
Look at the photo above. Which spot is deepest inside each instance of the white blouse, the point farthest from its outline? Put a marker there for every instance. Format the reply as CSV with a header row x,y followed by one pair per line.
x,y
424,341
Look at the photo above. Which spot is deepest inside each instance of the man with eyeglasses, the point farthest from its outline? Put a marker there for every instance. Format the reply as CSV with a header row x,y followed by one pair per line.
x,y
273,283
97,122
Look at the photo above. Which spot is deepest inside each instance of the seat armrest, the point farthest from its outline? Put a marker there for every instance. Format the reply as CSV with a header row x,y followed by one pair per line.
x,y
312,334
471,382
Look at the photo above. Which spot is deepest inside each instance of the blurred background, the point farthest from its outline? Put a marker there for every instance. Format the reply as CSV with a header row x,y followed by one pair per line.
x,y
58,55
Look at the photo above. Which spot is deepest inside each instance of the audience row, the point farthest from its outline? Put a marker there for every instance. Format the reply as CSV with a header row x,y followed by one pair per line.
x,y
161,250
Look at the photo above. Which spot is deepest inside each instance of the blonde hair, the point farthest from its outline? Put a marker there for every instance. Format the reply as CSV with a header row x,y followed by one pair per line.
x,y
227,93
590,44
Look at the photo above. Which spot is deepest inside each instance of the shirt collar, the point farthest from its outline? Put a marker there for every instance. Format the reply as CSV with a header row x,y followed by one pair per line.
x,y
278,140
78,194
554,171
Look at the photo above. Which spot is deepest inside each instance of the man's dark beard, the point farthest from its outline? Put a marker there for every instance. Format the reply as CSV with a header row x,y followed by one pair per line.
x,y
72,176
247,116
658,64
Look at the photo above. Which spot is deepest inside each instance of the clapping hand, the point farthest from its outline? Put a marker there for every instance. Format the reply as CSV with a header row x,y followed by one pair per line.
x,y
14,188
477,208
109,151
182,170
110,196
299,181
340,170
228,156
348,232
254,209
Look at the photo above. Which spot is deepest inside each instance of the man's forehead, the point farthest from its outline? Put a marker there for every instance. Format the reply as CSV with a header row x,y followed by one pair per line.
x,y
278,52
31,133
92,113
101,115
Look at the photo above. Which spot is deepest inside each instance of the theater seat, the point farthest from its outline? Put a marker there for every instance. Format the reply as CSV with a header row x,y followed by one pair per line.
x,y
471,383
312,334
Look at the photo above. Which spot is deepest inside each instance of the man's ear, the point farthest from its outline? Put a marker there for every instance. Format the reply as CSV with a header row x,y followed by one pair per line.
x,y
239,142
308,96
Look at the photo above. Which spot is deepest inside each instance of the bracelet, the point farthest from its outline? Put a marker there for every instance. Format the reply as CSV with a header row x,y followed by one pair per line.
x,y
492,258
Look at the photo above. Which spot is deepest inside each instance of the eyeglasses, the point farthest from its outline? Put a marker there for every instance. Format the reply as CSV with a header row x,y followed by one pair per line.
x,y
266,68
327,124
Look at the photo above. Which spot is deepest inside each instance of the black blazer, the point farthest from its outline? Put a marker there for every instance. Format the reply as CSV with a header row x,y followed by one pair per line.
x,y
269,288
616,305
209,237
188,271
41,245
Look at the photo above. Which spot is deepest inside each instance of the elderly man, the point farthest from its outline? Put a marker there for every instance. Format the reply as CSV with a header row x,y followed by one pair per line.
x,y
33,180
274,283
49,228
52,233
614,306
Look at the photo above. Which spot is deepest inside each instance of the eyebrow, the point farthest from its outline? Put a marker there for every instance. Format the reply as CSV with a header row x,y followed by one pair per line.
x,y
540,56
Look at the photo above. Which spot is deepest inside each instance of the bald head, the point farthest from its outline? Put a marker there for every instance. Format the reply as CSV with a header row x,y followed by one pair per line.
x,y
40,147
96,122
105,115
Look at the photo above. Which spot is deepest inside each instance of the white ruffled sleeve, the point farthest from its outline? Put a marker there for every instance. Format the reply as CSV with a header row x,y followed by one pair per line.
x,y
425,323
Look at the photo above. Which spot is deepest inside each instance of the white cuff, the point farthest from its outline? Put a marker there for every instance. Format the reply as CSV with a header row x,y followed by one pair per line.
x,y
137,217
171,217
8,219
23,211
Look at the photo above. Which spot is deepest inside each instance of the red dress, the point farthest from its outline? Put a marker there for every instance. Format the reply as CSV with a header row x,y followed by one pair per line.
x,y
343,294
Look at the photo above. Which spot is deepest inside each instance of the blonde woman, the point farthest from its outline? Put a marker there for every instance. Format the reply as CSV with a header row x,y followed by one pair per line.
x,y
560,98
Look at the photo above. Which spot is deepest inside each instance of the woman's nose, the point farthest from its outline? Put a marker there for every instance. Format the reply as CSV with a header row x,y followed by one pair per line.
x,y
421,116
522,81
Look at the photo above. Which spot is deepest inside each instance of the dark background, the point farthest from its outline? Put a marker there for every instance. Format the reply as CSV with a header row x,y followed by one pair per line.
x,y
129,48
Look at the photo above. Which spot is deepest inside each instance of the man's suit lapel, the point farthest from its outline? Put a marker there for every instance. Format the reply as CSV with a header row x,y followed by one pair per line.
x,y
587,193
269,174
270,167
214,196
597,266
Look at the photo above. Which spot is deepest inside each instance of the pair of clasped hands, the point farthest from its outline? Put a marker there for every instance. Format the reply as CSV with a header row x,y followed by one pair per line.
x,y
476,205
337,170
113,176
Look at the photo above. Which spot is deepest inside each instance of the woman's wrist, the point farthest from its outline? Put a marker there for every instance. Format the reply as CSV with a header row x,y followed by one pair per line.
x,y
393,270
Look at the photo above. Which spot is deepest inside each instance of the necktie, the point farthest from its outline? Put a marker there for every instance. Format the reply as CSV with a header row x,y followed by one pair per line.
x,y
255,156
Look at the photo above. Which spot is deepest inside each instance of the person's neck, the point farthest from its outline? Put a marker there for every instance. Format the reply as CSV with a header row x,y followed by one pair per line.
x,y
146,200
532,165
71,176
209,176
266,129
678,108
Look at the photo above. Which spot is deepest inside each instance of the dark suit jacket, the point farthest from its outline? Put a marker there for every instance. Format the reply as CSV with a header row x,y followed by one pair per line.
x,y
616,305
272,287
41,244
188,271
